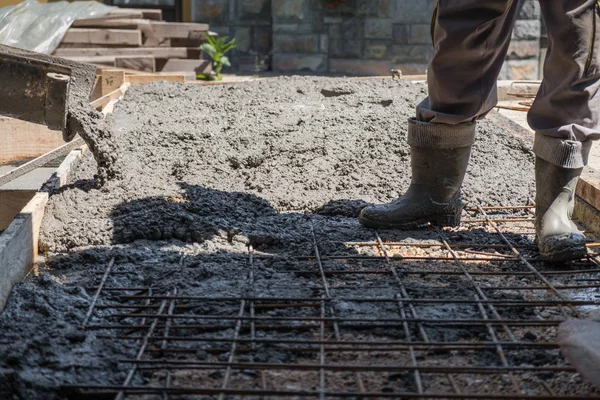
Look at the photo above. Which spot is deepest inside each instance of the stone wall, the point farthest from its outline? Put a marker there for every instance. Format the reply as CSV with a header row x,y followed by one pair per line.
x,y
362,37
523,59
248,21
359,37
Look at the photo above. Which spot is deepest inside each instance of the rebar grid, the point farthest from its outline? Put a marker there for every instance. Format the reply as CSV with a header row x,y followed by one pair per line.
x,y
459,338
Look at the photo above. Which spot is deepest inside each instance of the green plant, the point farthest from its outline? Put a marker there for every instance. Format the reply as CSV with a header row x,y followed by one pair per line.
x,y
216,49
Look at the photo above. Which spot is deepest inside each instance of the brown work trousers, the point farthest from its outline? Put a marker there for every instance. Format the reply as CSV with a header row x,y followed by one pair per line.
x,y
471,39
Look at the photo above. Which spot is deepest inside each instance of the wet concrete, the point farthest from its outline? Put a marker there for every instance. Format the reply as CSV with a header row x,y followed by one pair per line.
x,y
202,172
282,140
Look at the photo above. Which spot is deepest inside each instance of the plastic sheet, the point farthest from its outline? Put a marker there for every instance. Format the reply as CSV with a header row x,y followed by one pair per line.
x,y
41,26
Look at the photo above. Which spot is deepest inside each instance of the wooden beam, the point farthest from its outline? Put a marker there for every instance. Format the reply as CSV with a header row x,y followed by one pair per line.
x,y
103,36
157,52
197,66
138,63
140,79
23,140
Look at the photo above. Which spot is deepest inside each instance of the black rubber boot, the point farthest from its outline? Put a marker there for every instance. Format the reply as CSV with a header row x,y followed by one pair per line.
x,y
557,237
439,158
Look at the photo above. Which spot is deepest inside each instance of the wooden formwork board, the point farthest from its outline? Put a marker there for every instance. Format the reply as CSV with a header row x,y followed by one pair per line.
x,y
19,245
22,140
11,204
19,242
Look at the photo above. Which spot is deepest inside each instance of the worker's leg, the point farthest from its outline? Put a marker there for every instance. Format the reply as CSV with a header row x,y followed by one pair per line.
x,y
566,110
565,117
471,38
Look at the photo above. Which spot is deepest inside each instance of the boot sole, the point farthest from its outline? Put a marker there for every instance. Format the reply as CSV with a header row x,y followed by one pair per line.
x,y
444,220
560,252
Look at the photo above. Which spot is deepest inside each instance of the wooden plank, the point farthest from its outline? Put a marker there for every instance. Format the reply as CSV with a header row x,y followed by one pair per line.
x,y
103,36
139,63
193,41
23,140
125,23
91,45
125,13
142,63
115,94
40,161
154,14
11,203
61,176
19,245
148,13
101,68
178,64
182,30
140,79
97,60
97,90
588,215
157,52
155,33
178,42
112,80
588,188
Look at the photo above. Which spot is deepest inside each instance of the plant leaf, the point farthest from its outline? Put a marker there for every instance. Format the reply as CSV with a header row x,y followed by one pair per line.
x,y
229,46
211,40
209,49
225,61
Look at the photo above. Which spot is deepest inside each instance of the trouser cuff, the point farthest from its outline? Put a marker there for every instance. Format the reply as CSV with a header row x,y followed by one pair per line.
x,y
563,153
440,136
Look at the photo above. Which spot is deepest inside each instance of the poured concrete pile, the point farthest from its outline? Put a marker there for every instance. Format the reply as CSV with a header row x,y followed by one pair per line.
x,y
200,173
298,144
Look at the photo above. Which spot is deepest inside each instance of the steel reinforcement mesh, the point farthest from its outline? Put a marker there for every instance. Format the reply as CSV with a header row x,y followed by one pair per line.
x,y
483,327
